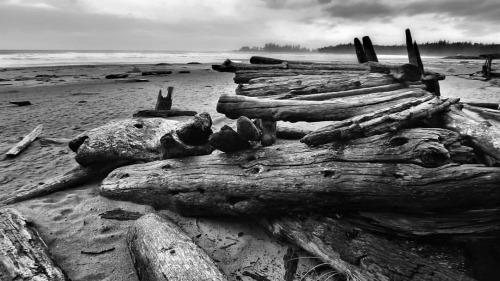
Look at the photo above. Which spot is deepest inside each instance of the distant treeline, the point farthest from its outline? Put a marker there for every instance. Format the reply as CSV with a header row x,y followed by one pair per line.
x,y
440,48
273,47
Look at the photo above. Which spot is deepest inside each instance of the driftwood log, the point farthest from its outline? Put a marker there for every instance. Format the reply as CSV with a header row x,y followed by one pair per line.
x,y
360,255
25,142
387,119
163,113
360,51
23,254
161,251
229,66
244,76
297,110
289,133
484,112
483,135
369,50
164,103
280,179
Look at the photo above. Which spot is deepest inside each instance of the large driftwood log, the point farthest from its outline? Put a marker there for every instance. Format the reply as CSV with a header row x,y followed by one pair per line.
x,y
298,110
161,251
388,119
484,112
312,84
163,113
25,142
72,178
360,255
483,135
244,76
23,254
286,179
229,66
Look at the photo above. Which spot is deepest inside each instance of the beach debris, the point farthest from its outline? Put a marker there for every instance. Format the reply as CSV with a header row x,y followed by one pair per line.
x,y
247,130
116,76
162,251
487,113
310,179
369,50
25,142
194,62
164,103
268,131
156,72
163,113
132,80
121,215
135,69
23,253
97,252
364,256
255,275
20,103
58,141
184,71
228,140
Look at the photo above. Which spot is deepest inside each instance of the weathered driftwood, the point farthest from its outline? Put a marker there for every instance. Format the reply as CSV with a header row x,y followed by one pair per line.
x,y
459,226
420,64
266,60
163,113
120,215
287,179
164,103
312,84
196,130
483,135
244,76
495,106
387,119
116,76
484,112
247,130
25,142
289,133
72,178
268,130
129,139
161,251
404,72
229,66
360,255
20,103
227,140
360,52
297,110
412,57
369,50
156,72
23,253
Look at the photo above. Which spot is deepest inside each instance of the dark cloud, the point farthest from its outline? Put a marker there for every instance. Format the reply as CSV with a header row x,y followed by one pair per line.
x,y
356,10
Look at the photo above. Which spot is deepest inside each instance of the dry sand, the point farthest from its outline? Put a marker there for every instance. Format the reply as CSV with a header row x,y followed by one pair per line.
x,y
71,99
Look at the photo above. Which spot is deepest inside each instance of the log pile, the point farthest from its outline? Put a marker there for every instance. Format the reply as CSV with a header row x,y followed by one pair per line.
x,y
397,186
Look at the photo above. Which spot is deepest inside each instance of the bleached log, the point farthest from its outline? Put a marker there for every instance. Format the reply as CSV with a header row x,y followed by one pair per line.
x,y
23,253
485,112
483,135
229,66
297,110
295,178
25,142
161,251
244,76
360,255
388,119
71,178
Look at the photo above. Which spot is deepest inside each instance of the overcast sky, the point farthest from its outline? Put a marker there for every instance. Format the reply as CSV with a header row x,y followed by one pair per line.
x,y
230,24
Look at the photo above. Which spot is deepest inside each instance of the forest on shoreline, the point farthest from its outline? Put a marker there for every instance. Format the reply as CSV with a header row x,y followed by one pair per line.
x,y
439,48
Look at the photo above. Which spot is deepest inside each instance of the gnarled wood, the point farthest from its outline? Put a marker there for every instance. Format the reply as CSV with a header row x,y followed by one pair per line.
x,y
298,110
161,251
23,254
295,178
227,140
174,147
387,119
25,142
196,130
360,255
483,135
164,103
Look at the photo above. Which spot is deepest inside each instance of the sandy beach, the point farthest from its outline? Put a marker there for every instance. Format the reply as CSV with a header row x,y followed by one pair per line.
x,y
68,100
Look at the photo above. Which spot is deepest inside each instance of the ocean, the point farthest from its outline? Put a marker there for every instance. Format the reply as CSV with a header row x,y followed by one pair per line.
x,y
33,58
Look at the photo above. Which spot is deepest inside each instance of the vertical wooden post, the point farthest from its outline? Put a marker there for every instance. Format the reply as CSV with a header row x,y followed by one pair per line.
x,y
420,64
360,52
164,103
490,59
412,58
369,50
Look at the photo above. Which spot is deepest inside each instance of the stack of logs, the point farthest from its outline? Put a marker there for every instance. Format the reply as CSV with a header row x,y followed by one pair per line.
x,y
401,185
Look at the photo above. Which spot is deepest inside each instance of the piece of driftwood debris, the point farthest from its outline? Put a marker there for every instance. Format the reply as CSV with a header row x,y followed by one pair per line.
x,y
495,106
164,103
196,130
163,113
228,140
247,130
126,140
98,252
289,133
23,253
132,80
72,178
484,112
312,84
290,263
412,57
229,66
356,92
268,131
369,50
174,147
116,76
360,255
156,72
457,226
120,215
245,182
402,73
297,110
25,142
483,135
244,76
59,141
20,103
360,52
161,251
255,275
388,119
